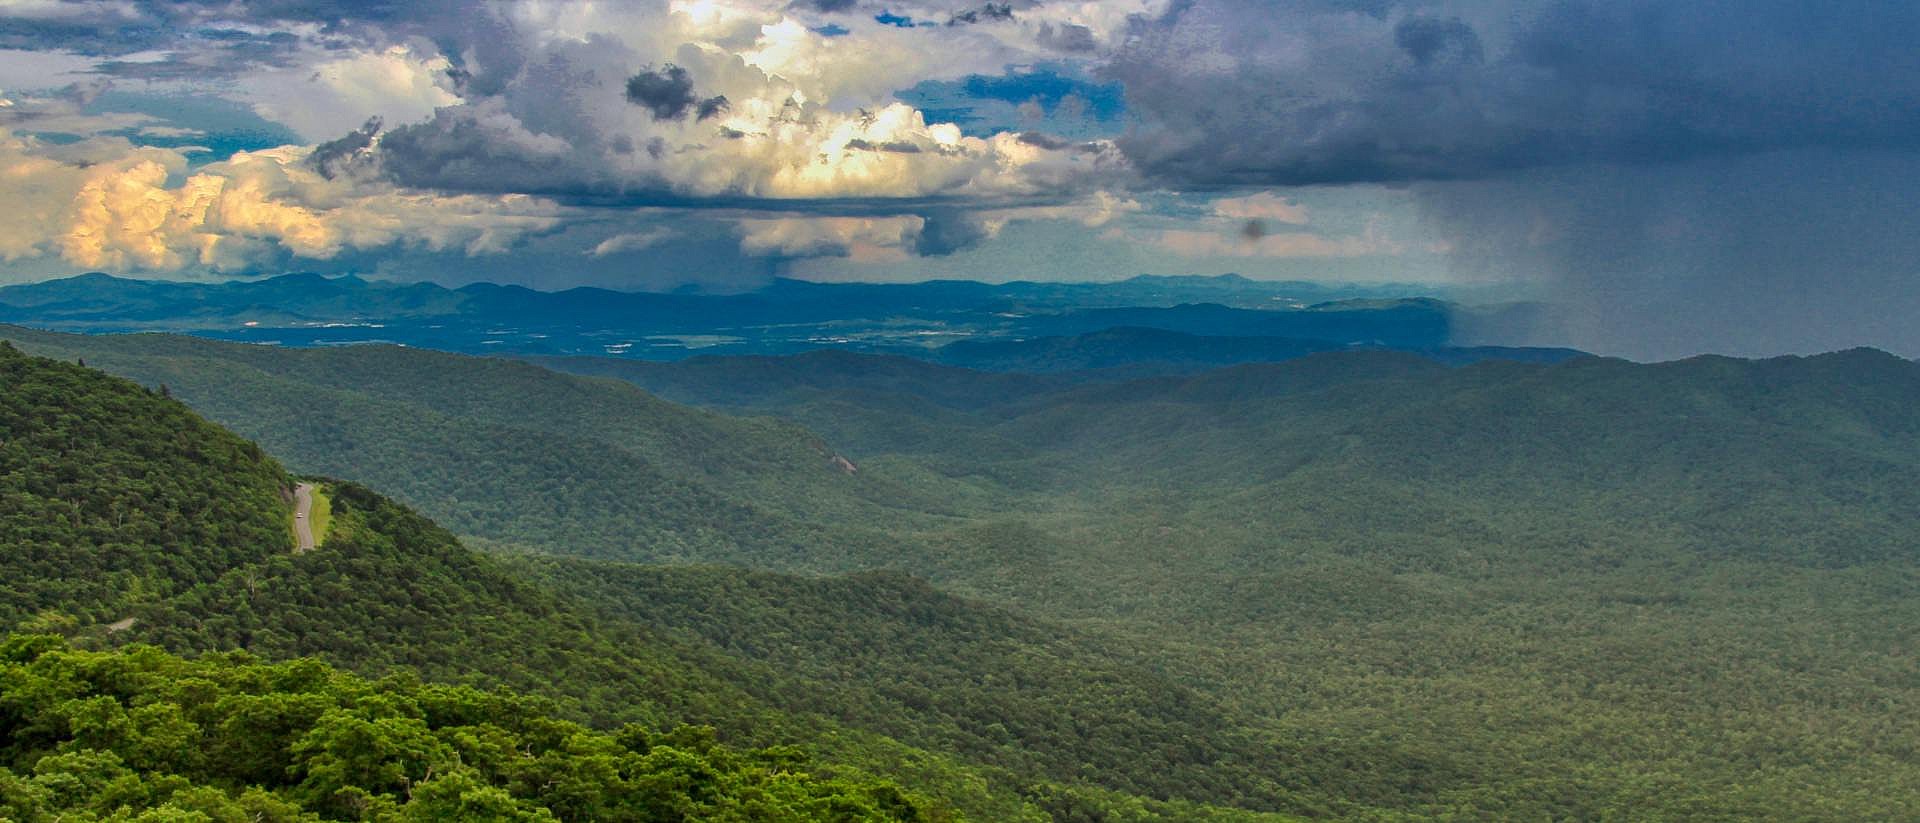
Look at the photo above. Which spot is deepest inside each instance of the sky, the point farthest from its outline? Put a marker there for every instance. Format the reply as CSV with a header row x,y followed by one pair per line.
x,y
1669,178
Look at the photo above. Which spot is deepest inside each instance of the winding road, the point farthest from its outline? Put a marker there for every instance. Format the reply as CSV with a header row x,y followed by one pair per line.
x,y
303,517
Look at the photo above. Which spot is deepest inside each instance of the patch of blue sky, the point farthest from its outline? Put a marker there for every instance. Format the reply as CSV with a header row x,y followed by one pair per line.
x,y
1049,84
221,126
1053,98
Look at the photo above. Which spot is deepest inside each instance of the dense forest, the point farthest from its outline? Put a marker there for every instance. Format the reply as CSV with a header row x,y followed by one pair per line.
x,y
515,454
390,594
110,493
887,652
1361,584
138,734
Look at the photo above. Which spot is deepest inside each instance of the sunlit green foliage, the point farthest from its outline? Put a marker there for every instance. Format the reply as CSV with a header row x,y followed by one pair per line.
x,y
141,734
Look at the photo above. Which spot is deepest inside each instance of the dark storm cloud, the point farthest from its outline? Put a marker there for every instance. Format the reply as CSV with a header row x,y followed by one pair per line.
x,y
1431,39
464,149
711,107
334,156
828,6
1778,252
213,38
667,92
985,14
91,37
1672,178
1044,141
946,232
1239,92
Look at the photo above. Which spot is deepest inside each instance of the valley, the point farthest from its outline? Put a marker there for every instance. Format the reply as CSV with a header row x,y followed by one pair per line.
x,y
1351,584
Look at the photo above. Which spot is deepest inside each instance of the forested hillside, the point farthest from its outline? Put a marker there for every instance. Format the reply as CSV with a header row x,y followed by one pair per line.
x,y
888,652
110,493
390,594
521,455
1357,583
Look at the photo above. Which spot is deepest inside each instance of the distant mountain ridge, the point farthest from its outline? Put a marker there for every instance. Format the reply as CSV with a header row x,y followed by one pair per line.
x,y
1141,290
104,298
785,317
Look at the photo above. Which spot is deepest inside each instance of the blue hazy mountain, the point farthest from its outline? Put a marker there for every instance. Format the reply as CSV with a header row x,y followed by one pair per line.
x,y
1019,325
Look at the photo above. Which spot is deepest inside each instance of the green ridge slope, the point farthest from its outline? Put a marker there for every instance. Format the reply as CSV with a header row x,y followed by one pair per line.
x,y
390,593
111,494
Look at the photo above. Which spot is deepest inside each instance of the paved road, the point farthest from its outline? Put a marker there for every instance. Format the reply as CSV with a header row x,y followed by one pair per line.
x,y
303,517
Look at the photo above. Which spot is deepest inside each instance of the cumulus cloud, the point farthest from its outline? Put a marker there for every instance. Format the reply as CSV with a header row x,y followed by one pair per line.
x,y
398,84
766,144
809,236
685,102
103,203
735,100
174,40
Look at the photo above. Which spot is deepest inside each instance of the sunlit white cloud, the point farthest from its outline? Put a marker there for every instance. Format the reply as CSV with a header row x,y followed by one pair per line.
x,y
782,129
715,102
104,203
399,85
807,236
749,102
